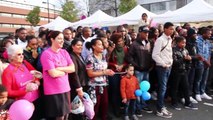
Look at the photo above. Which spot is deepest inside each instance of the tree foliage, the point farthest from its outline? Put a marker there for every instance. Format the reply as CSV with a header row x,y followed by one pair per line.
x,y
69,11
126,5
33,16
95,5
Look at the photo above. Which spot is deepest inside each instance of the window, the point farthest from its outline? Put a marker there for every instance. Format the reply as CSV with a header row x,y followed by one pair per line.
x,y
155,7
7,25
18,16
147,6
172,5
16,26
5,14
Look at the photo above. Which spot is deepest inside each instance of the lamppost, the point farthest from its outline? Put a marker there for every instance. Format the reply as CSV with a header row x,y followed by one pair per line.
x,y
48,10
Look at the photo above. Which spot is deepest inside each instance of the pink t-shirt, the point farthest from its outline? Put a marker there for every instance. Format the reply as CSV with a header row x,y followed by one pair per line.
x,y
51,60
22,78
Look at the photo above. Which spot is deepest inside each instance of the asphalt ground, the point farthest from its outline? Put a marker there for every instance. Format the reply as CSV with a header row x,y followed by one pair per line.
x,y
204,112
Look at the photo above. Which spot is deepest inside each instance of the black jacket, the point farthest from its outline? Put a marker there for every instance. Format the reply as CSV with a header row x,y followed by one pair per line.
x,y
140,56
79,77
29,58
179,63
191,46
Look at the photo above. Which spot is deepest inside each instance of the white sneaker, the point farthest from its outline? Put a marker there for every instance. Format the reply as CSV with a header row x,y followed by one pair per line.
x,y
126,118
193,100
198,98
205,96
182,100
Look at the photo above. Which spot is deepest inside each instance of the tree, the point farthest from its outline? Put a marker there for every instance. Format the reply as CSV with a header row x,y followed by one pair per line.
x,y
127,5
33,16
95,5
69,12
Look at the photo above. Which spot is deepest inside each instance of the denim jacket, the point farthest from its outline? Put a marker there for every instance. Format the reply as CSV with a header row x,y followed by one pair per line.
x,y
203,49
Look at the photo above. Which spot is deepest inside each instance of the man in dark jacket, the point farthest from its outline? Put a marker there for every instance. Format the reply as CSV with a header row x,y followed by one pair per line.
x,y
68,37
140,57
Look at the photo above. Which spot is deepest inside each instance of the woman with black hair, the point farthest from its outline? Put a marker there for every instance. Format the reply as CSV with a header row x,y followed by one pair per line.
x,y
79,79
97,71
117,63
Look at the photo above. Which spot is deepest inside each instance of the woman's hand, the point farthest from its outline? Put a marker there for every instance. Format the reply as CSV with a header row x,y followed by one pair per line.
x,y
31,87
109,72
119,68
34,53
80,92
36,74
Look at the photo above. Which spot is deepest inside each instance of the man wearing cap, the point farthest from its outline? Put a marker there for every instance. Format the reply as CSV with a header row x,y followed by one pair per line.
x,y
139,56
162,55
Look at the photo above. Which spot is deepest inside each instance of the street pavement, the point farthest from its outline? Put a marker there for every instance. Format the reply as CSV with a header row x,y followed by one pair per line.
x,y
204,112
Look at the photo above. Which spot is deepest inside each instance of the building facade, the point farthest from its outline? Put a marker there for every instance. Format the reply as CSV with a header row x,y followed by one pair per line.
x,y
13,15
161,6
155,6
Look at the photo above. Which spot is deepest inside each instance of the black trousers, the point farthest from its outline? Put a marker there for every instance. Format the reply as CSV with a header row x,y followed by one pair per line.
x,y
180,80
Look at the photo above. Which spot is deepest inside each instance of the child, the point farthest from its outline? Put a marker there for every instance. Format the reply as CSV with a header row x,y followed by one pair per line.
x,y
180,76
5,103
129,84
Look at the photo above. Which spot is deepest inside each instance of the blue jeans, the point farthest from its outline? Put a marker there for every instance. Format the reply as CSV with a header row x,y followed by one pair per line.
x,y
130,104
201,75
141,76
163,75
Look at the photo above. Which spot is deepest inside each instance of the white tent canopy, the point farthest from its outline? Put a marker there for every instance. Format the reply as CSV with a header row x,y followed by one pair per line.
x,y
132,17
57,24
96,19
195,11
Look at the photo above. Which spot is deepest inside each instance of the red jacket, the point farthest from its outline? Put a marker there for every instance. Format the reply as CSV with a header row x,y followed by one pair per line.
x,y
9,81
128,87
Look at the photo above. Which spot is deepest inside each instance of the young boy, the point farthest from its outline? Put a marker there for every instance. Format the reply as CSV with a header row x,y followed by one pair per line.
x,y
129,84
180,76
5,103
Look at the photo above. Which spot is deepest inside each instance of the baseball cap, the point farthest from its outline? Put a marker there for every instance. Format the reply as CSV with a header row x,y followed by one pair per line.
x,y
143,29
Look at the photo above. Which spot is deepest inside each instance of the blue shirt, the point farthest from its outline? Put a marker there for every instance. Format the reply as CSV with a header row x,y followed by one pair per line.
x,y
203,48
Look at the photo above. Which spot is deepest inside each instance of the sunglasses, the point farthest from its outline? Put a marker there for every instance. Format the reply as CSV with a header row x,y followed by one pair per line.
x,y
19,54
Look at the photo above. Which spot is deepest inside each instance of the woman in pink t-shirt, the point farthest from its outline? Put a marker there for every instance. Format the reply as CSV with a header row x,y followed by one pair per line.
x,y
19,80
56,64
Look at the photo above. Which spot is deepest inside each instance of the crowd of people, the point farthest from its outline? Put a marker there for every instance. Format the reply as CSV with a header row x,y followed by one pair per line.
x,y
50,68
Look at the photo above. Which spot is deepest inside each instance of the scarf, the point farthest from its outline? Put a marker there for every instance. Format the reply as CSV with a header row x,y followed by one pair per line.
x,y
119,52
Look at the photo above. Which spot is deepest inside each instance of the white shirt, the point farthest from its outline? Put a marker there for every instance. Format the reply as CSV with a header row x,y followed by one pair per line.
x,y
22,44
85,52
164,57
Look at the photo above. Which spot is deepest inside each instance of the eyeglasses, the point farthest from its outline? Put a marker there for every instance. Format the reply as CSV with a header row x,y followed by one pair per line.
x,y
19,54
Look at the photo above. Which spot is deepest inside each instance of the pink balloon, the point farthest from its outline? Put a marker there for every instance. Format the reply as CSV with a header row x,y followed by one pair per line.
x,y
83,17
95,26
21,110
153,24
